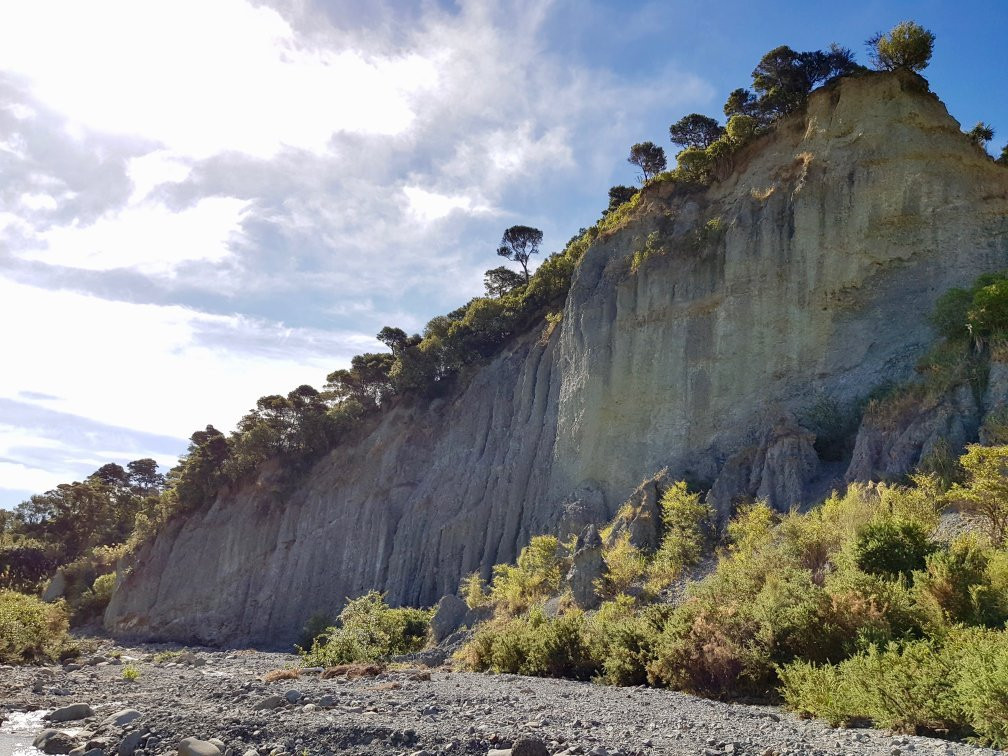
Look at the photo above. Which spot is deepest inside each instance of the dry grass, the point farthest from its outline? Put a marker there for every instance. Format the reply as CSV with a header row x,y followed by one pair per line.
x,y
353,671
281,674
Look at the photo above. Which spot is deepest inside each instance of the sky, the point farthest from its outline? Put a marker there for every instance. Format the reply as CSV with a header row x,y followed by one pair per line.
x,y
203,202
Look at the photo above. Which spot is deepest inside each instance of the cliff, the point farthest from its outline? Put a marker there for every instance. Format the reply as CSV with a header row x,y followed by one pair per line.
x,y
808,273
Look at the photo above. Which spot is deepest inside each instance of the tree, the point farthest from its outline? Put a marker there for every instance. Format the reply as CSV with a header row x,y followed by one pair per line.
x,y
500,281
695,130
908,45
518,244
741,102
143,475
985,492
981,134
618,195
783,78
394,338
649,157
110,475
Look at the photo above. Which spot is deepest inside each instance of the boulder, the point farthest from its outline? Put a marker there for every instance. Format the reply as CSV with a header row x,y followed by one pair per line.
x,y
121,718
197,747
55,741
587,566
130,743
56,587
640,515
529,747
71,713
451,613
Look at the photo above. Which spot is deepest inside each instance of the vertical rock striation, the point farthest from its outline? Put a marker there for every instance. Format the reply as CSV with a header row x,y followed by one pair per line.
x,y
808,273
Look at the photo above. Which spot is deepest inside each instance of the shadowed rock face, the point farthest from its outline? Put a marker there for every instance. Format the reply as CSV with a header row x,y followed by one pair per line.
x,y
809,272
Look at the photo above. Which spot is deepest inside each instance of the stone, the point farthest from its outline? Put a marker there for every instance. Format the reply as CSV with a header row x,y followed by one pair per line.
x,y
71,713
293,696
218,743
121,718
587,566
639,517
197,747
451,613
130,743
54,741
529,747
270,702
55,588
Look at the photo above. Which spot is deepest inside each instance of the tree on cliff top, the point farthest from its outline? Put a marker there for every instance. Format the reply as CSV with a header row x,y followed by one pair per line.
x,y
518,244
649,157
908,45
695,130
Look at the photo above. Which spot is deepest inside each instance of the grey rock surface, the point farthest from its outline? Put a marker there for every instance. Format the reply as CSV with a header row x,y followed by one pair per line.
x,y
444,712
451,614
808,271
587,567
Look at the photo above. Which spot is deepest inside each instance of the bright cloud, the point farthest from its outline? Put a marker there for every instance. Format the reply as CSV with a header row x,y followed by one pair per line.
x,y
203,77
146,367
148,237
430,206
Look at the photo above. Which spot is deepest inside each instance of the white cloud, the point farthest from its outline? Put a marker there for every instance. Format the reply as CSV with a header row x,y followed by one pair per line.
x,y
203,77
149,237
430,206
166,370
153,169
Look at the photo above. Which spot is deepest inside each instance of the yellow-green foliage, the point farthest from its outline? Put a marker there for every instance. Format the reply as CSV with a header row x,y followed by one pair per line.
x,y
131,673
687,526
957,685
531,644
473,591
625,565
31,630
652,248
367,630
985,492
93,601
536,576
621,638
620,217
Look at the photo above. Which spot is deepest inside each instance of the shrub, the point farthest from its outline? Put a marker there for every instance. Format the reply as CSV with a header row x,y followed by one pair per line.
x,y
908,45
317,624
956,687
537,575
625,565
621,639
532,644
956,587
95,599
892,548
473,591
368,630
985,492
687,527
31,630
131,673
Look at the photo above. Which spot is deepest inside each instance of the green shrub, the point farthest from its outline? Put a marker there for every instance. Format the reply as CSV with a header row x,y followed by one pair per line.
x,y
985,492
92,603
625,565
957,588
531,644
621,639
892,548
31,630
131,673
958,686
687,527
316,625
473,591
536,576
367,630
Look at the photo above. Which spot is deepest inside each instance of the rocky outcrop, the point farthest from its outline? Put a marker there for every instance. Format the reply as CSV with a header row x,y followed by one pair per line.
x,y
909,428
639,518
777,470
587,568
807,272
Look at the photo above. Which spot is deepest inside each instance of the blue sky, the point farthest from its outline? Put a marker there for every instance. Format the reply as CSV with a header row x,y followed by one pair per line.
x,y
202,203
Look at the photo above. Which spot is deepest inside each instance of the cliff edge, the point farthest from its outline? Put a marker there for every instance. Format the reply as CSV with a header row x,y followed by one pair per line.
x,y
808,272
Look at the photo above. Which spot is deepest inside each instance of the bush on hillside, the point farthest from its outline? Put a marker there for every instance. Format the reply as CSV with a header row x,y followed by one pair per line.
x,y
32,631
368,630
958,686
892,548
537,575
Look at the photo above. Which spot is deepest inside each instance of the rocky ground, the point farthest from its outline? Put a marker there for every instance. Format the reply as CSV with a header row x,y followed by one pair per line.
x,y
224,696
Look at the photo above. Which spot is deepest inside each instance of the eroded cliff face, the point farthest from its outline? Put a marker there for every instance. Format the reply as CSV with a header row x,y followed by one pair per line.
x,y
808,272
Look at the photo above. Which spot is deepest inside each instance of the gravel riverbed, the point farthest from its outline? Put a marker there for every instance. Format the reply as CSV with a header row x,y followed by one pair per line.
x,y
222,696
